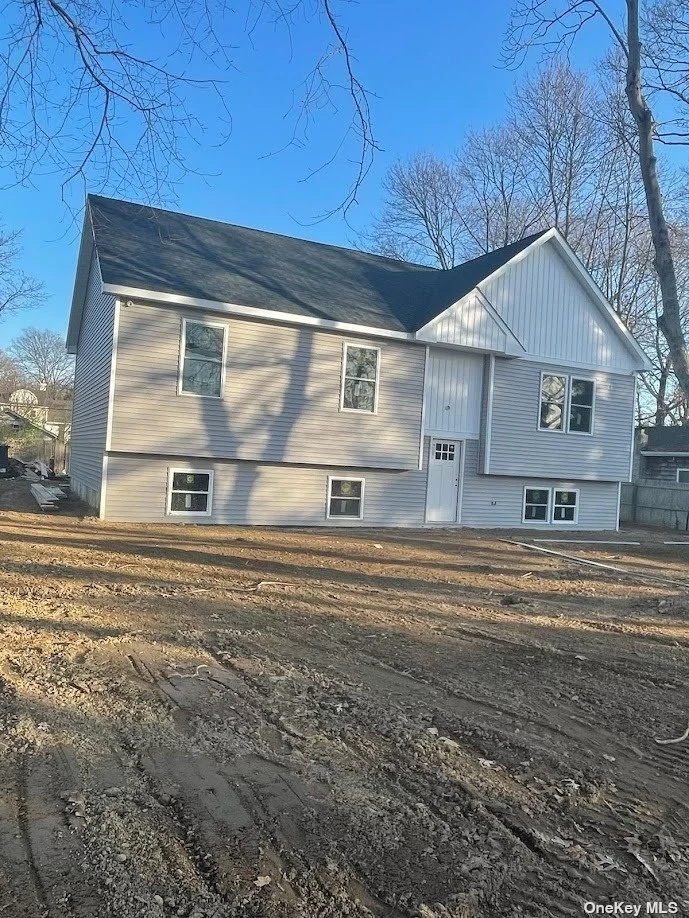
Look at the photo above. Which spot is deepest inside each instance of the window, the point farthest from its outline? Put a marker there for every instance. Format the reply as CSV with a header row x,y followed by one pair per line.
x,y
203,359
553,398
567,404
565,506
360,378
683,476
581,405
346,498
445,451
536,505
189,491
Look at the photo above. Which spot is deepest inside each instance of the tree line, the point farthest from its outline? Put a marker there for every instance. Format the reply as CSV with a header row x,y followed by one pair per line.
x,y
36,360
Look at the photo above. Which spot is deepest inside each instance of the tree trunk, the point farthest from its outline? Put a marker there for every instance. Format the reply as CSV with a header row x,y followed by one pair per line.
x,y
669,321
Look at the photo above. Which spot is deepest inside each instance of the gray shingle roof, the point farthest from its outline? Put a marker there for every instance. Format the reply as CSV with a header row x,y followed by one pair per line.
x,y
665,439
151,249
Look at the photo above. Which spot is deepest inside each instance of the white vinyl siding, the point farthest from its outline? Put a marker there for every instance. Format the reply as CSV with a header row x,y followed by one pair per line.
x,y
263,494
516,446
91,390
498,501
552,314
281,400
453,393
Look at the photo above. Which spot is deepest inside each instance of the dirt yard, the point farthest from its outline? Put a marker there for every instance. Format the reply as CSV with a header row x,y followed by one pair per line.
x,y
209,721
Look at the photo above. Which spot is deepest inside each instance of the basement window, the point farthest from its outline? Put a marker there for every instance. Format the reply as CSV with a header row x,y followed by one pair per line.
x,y
536,505
189,492
565,505
360,375
682,476
345,498
202,369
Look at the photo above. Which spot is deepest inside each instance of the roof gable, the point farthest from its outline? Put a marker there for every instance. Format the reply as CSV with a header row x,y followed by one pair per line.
x,y
472,323
554,308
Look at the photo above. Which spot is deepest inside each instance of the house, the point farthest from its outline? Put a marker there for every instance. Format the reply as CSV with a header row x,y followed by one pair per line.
x,y
228,375
30,439
662,454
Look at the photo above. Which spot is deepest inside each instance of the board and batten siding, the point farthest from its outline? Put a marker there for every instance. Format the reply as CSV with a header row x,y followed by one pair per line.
x,y
497,502
554,317
454,381
518,447
261,494
281,400
91,390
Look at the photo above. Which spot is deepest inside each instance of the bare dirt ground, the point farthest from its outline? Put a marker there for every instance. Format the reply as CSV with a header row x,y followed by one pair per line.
x,y
208,721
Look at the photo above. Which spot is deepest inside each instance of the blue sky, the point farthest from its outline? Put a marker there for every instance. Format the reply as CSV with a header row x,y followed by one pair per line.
x,y
434,68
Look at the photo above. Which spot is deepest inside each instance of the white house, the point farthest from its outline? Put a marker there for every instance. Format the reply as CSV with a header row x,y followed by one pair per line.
x,y
228,375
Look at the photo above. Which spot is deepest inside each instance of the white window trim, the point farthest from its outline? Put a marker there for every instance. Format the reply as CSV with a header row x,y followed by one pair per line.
x,y
338,516
568,377
550,515
565,415
343,374
581,433
171,472
546,521
182,352
677,471
576,506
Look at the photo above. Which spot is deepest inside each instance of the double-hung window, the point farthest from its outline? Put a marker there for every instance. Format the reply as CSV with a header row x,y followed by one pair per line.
x,y
536,505
346,498
203,359
566,404
565,506
360,376
581,405
553,401
550,505
189,491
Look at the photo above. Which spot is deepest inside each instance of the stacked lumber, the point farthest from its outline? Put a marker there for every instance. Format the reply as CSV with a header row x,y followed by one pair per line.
x,y
47,498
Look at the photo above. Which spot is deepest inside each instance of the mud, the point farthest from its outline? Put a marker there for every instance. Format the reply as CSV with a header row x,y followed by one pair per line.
x,y
205,721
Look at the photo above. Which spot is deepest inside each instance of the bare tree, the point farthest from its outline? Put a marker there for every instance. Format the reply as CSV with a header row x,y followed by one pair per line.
x,y
17,289
83,93
662,66
11,376
40,355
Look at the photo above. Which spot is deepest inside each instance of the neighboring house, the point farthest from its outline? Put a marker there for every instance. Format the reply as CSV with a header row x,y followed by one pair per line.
x,y
228,375
29,440
663,454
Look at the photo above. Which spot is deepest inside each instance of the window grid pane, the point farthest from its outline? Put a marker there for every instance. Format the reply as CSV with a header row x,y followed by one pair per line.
x,y
345,498
553,397
565,506
202,361
445,451
360,374
536,502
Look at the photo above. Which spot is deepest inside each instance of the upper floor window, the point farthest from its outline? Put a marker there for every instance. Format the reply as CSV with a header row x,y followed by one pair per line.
x,y
581,405
203,358
360,373
567,403
553,400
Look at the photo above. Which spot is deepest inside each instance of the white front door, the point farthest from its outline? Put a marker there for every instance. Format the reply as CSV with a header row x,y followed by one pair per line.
x,y
443,481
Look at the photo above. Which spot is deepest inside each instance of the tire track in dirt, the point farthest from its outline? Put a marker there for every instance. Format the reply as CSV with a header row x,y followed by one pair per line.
x,y
510,824
254,802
